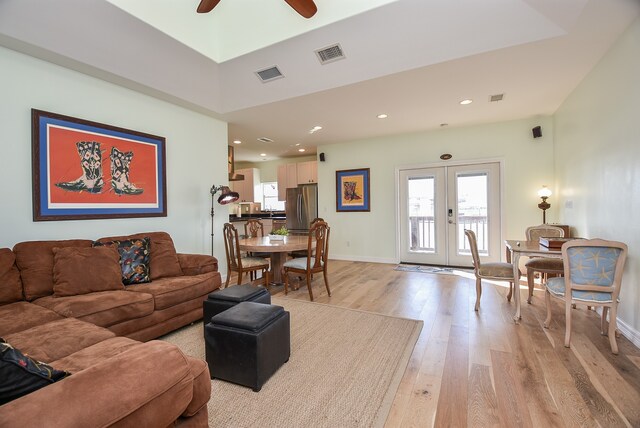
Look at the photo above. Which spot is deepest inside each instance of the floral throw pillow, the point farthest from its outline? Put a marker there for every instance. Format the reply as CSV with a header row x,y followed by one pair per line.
x,y
21,374
134,259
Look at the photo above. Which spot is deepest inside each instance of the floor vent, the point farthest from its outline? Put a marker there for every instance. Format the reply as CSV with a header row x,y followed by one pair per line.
x,y
269,74
330,54
497,97
265,140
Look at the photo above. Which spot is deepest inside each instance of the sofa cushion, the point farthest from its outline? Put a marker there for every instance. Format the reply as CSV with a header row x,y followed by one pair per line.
x,y
103,308
10,284
164,259
134,259
57,339
20,316
35,261
21,374
169,292
85,270
94,354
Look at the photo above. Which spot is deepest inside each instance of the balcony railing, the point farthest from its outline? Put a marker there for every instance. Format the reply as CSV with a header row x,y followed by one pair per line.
x,y
423,238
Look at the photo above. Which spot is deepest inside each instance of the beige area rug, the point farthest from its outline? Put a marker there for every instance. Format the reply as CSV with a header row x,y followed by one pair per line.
x,y
344,370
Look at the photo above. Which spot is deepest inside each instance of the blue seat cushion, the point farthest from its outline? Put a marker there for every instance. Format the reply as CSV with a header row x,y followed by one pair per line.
x,y
557,288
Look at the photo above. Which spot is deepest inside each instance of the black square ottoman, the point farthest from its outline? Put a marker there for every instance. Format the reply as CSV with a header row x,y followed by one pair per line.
x,y
220,301
247,343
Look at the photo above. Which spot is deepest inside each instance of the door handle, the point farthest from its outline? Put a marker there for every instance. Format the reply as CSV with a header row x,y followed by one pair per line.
x,y
451,221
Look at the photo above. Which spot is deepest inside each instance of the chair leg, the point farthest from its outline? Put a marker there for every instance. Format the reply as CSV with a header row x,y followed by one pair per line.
x,y
567,315
603,320
226,283
510,292
265,275
530,275
547,301
240,277
478,293
309,286
612,328
286,281
326,281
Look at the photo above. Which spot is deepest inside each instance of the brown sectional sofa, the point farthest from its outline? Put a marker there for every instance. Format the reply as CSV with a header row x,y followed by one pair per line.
x,y
116,379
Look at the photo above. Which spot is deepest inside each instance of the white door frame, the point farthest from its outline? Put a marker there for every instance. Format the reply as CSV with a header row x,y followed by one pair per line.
x,y
500,161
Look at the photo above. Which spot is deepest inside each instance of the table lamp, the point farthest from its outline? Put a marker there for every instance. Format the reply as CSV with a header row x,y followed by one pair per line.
x,y
544,193
227,196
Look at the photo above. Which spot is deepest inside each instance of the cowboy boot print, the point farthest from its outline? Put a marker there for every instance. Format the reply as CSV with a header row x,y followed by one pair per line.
x,y
91,163
120,165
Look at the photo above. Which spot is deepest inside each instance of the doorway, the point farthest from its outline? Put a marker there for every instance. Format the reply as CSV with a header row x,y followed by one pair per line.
x,y
438,203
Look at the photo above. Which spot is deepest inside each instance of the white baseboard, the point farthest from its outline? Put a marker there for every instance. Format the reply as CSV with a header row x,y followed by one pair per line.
x,y
629,332
361,259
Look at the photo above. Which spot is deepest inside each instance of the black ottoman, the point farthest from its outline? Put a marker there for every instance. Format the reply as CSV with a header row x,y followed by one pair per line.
x,y
247,343
220,301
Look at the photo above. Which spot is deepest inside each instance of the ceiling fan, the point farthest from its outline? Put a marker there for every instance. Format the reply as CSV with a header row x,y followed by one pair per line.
x,y
306,8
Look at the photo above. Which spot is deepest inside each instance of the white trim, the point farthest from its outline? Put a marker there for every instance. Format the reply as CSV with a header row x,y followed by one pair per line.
x,y
629,332
363,259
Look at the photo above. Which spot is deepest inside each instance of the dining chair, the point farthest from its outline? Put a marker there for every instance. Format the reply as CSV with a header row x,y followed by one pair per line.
x,y
497,271
238,263
593,275
303,253
544,265
316,259
252,229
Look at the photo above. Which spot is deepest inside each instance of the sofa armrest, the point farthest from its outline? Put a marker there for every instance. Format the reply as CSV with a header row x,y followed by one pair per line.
x,y
195,264
147,385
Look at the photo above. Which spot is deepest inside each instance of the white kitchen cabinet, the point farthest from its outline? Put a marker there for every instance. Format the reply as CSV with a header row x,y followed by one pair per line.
x,y
287,178
250,189
307,172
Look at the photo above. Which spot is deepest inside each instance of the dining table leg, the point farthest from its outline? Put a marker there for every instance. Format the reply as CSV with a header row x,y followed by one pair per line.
x,y
515,257
277,264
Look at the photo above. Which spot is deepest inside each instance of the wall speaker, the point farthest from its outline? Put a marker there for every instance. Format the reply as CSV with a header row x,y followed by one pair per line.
x,y
537,131
321,157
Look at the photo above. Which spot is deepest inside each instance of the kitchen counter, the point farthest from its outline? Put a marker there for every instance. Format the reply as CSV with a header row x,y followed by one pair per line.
x,y
262,216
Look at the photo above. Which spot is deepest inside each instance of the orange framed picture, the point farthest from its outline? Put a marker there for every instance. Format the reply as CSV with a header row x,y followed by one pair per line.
x,y
353,190
89,170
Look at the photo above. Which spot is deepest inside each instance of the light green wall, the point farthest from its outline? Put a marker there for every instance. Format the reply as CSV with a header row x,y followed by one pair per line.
x,y
269,169
528,164
196,153
598,159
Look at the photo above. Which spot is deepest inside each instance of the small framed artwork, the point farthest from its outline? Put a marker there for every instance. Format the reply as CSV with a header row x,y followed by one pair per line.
x,y
352,190
89,170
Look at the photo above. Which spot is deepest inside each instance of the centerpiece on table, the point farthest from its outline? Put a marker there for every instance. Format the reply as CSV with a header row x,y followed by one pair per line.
x,y
278,234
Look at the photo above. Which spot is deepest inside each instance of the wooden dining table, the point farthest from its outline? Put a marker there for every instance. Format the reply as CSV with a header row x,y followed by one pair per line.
x,y
515,249
277,251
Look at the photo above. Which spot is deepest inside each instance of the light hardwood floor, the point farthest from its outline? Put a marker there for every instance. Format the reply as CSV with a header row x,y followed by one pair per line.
x,y
482,370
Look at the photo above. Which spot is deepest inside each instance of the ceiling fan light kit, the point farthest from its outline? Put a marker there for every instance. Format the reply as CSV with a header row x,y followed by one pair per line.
x,y
306,8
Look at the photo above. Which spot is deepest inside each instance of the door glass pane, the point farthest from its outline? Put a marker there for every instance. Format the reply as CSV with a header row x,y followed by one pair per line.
x,y
421,214
472,210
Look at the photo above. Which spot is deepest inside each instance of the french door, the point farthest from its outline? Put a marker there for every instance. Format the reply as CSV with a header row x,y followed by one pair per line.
x,y
437,204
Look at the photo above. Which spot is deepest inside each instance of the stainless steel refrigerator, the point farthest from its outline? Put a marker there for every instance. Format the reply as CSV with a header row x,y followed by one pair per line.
x,y
301,207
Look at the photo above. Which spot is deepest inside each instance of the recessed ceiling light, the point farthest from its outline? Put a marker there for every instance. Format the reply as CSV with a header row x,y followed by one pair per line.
x,y
301,150
237,142
466,102
444,124
263,154
314,129
382,116
297,144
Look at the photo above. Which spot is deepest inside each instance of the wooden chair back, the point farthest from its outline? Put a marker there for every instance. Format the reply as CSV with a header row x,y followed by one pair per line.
x,y
318,251
253,227
534,233
232,247
473,245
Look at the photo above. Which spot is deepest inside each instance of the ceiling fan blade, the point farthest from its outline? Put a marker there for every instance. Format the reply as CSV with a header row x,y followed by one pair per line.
x,y
306,8
207,5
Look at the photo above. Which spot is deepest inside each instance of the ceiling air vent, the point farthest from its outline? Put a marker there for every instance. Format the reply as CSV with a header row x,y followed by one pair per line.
x,y
269,74
265,140
497,97
330,54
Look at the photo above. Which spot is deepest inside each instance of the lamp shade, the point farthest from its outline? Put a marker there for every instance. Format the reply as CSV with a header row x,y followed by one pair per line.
x,y
544,192
227,196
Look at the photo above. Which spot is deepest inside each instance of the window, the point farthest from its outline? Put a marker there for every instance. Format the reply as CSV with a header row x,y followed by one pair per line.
x,y
270,200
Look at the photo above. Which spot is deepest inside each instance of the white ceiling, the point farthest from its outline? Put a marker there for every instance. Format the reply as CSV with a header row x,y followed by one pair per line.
x,y
411,59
